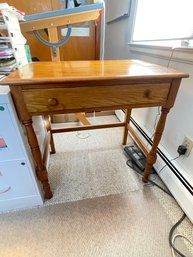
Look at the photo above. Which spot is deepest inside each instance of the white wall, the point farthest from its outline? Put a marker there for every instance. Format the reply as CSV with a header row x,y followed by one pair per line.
x,y
116,40
179,122
117,36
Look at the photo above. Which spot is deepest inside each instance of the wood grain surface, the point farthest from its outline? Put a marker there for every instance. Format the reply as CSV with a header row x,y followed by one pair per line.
x,y
108,97
69,71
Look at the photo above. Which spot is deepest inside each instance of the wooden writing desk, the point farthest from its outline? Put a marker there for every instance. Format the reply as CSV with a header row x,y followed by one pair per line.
x,y
45,88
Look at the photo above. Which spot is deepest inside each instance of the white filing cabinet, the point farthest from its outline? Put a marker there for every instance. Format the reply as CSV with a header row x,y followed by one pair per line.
x,y
19,187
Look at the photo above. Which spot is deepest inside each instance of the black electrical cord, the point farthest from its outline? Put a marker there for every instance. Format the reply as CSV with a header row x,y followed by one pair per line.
x,y
171,235
170,161
132,165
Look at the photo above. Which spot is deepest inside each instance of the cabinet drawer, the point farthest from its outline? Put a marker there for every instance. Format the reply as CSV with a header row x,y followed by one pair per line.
x,y
9,135
75,98
15,180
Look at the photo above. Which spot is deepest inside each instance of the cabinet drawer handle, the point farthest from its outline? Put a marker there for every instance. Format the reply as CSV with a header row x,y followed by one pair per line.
x,y
52,101
4,190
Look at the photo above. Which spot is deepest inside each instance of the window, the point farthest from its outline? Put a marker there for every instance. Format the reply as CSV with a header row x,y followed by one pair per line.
x,y
165,21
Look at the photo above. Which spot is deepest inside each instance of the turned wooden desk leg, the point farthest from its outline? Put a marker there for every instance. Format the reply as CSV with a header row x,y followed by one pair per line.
x,y
152,155
125,132
49,128
52,145
40,168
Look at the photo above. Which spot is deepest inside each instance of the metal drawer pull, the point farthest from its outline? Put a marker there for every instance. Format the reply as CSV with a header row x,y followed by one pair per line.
x,y
52,101
4,190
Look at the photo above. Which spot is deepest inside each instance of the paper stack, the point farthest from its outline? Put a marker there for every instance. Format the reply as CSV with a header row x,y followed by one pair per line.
x,y
12,49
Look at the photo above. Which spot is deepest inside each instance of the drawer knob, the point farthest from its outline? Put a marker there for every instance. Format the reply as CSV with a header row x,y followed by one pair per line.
x,y
52,101
147,94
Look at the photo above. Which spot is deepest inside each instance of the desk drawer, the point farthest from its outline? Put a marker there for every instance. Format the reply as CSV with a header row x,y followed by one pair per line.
x,y
75,98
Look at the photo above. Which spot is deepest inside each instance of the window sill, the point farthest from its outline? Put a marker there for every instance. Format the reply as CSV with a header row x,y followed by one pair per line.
x,y
179,54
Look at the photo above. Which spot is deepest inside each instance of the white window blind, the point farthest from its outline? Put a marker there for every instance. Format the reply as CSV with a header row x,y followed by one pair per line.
x,y
163,20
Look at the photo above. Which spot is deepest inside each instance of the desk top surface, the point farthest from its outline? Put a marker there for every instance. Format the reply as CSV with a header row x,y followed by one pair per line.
x,y
72,71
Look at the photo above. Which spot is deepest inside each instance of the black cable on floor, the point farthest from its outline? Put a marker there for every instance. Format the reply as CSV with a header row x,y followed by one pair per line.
x,y
133,166
171,235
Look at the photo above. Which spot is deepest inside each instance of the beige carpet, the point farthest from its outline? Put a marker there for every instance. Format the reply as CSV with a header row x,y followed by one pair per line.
x,y
89,167
126,225
100,207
